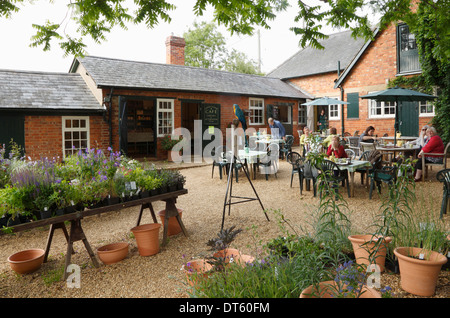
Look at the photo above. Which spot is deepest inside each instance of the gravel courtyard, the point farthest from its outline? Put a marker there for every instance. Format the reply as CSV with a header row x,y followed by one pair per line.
x,y
159,276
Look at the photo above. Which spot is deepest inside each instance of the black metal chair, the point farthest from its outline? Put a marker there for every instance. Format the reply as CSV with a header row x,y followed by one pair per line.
x,y
376,164
287,146
293,158
444,177
386,174
335,175
219,160
309,173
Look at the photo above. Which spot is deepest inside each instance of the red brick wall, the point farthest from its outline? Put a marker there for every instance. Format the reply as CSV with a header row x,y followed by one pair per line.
x,y
226,116
372,72
43,135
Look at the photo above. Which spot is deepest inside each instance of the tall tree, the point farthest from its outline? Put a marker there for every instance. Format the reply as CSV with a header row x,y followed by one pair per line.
x,y
96,18
206,48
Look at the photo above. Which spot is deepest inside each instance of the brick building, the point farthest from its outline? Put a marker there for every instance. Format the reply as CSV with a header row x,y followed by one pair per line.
x,y
48,112
349,68
131,106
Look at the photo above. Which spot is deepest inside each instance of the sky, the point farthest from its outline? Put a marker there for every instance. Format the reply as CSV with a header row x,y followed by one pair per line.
x,y
138,43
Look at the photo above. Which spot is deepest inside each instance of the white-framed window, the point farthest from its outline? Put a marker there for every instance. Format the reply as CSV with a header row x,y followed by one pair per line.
x,y
256,107
426,109
302,115
75,132
334,111
379,109
165,115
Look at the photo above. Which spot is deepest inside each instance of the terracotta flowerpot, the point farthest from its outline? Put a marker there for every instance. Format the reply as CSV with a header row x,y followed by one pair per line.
x,y
419,276
234,255
26,261
196,270
325,290
363,249
147,238
174,227
113,253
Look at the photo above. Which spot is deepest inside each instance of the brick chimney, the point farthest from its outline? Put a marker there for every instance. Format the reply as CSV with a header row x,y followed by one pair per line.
x,y
175,50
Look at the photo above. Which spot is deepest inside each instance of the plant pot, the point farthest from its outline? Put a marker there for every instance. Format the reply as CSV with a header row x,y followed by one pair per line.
x,y
147,238
232,255
196,270
113,200
180,186
172,188
174,227
113,253
45,214
325,290
363,247
417,276
26,261
154,192
145,194
59,212
70,209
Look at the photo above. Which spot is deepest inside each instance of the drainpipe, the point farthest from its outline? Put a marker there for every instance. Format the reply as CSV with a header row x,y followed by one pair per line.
x,y
342,98
108,100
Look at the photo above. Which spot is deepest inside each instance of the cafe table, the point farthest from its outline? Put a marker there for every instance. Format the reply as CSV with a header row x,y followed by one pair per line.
x,y
251,157
405,138
397,149
351,168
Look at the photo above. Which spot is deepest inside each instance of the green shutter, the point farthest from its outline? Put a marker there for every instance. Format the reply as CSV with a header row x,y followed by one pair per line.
x,y
12,127
353,106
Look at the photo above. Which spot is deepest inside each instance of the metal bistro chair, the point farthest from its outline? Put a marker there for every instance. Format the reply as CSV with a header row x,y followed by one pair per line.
x,y
444,177
350,153
293,158
287,146
334,174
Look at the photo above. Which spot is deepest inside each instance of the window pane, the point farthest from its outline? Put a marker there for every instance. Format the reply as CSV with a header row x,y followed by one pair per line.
x,y
68,123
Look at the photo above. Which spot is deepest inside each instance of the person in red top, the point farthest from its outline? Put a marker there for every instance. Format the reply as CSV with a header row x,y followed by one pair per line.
x,y
433,145
336,149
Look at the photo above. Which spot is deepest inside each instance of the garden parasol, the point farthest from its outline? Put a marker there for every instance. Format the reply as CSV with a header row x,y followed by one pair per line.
x,y
398,94
324,101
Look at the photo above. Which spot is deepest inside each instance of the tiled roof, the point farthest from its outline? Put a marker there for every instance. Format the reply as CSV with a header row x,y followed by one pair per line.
x,y
309,61
107,72
45,91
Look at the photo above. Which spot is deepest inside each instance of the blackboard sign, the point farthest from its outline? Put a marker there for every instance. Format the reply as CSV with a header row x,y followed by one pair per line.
x,y
211,115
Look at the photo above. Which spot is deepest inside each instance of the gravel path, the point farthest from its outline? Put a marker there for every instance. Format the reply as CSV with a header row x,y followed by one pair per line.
x,y
159,276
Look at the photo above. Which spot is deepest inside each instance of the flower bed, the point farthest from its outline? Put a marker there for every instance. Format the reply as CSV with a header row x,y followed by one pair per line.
x,y
86,179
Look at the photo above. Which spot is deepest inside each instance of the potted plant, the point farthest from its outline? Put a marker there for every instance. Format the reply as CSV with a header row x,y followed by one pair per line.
x,y
221,245
167,143
350,281
424,252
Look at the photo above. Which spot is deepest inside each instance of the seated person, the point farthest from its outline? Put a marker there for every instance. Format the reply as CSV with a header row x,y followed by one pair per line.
x,y
327,141
336,149
422,139
304,140
367,135
434,145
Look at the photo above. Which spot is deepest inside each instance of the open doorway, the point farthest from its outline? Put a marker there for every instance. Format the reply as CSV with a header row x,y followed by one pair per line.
x,y
140,128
